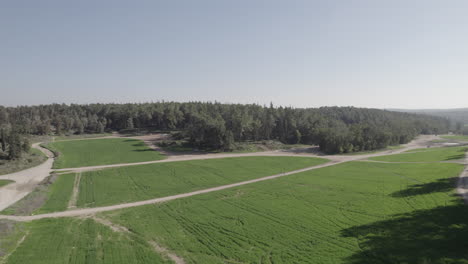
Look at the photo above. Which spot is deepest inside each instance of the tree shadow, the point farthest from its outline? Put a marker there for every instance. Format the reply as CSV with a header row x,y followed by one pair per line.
x,y
441,185
438,235
130,140
144,150
461,155
456,157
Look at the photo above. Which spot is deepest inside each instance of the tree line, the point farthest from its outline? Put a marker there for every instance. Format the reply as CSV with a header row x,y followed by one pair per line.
x,y
220,126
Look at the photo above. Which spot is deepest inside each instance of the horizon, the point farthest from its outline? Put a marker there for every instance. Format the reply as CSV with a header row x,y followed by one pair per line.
x,y
234,103
304,54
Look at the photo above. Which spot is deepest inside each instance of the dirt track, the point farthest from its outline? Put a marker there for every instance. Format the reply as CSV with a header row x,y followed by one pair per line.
x,y
462,184
25,181
420,142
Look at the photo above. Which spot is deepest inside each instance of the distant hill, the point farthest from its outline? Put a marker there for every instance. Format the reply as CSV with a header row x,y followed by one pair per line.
x,y
458,114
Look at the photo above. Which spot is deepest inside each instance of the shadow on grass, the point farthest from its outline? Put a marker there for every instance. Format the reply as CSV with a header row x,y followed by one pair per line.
x,y
441,185
460,155
130,140
438,235
456,157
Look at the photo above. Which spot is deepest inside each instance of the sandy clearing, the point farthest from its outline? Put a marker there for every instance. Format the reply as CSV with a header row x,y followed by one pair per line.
x,y
25,181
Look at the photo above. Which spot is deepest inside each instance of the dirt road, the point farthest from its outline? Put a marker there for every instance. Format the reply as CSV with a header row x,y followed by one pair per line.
x,y
462,184
25,181
334,159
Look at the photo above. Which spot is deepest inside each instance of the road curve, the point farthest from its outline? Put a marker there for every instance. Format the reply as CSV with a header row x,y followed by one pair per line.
x,y
26,180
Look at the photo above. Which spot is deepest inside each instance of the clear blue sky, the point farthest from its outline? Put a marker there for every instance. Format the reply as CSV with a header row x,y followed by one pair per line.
x,y
406,54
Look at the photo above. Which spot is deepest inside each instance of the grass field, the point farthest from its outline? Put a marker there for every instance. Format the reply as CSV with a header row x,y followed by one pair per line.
x,y
73,241
426,155
10,233
135,183
80,153
456,137
350,213
4,182
58,194
28,160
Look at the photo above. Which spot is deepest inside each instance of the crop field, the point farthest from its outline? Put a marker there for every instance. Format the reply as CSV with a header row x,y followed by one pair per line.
x,y
80,153
135,183
58,194
350,213
5,182
60,241
426,155
359,212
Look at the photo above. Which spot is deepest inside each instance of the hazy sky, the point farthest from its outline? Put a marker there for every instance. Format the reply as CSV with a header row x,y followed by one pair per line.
x,y
406,54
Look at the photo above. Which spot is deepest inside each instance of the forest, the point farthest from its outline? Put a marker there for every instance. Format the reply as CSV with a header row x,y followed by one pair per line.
x,y
218,126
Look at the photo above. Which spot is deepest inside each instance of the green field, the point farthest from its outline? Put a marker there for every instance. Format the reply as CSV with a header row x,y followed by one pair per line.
x,y
80,153
350,213
456,137
28,160
5,182
426,155
135,183
58,194
61,241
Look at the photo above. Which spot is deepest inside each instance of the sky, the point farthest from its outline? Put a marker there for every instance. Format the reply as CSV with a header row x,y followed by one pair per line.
x,y
380,54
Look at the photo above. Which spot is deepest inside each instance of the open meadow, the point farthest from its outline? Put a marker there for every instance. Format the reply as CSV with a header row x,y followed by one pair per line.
x,y
350,213
80,153
135,183
59,241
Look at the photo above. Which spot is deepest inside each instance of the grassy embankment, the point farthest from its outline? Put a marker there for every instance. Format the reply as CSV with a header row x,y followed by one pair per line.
x,y
28,160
